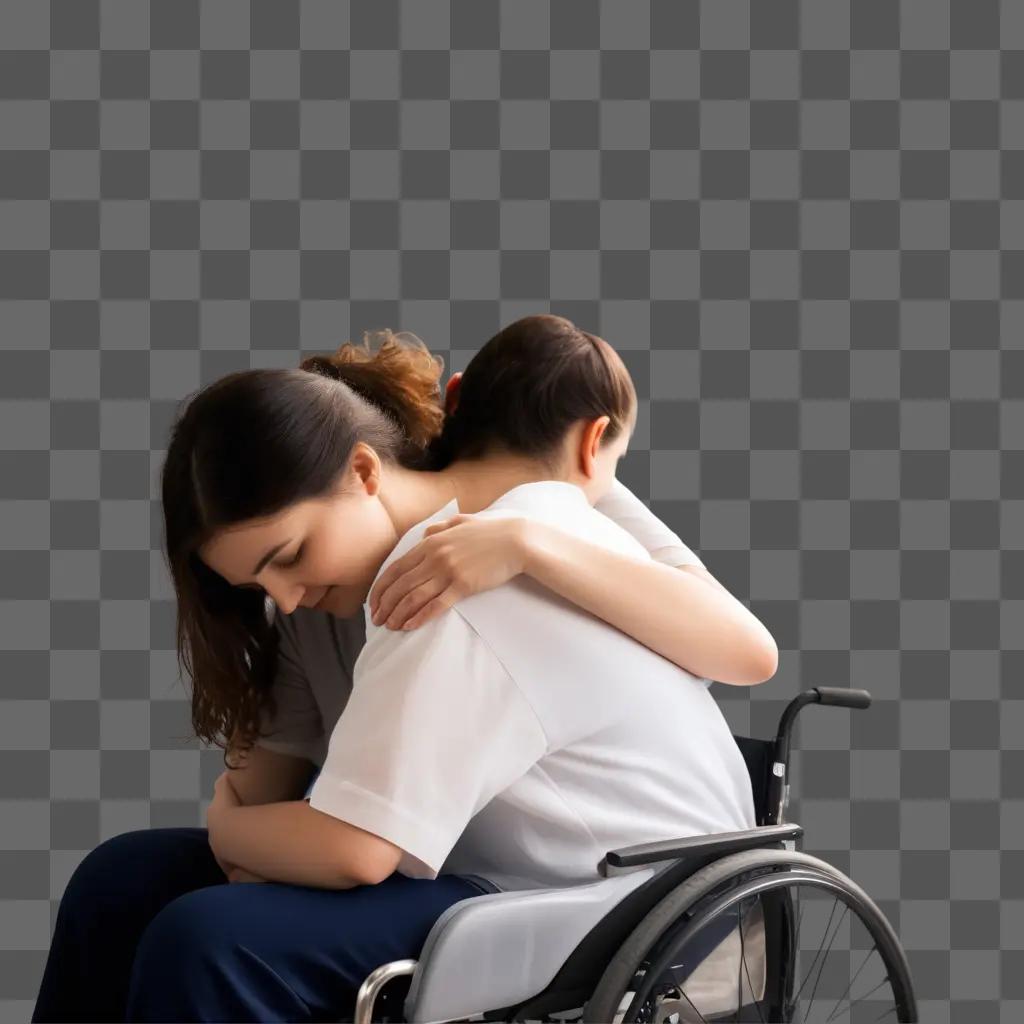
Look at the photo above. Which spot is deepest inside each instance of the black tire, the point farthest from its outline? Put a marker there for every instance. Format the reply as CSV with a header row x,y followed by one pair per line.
x,y
755,865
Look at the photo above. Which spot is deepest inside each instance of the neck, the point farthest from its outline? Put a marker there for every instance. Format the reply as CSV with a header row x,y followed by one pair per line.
x,y
411,496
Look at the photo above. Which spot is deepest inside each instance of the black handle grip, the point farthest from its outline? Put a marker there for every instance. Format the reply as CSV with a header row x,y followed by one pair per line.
x,y
840,697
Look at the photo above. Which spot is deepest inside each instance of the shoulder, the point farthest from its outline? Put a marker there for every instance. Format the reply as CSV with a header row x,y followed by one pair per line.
x,y
448,637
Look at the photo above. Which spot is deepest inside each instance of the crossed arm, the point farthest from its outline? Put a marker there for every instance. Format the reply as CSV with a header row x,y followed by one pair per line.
x,y
289,841
260,832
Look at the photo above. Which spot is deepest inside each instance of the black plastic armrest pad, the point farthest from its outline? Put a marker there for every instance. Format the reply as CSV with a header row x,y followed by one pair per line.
x,y
716,842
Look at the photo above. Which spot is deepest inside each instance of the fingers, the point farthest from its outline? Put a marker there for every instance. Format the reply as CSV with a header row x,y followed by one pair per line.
x,y
433,608
400,589
384,605
397,568
445,524
411,603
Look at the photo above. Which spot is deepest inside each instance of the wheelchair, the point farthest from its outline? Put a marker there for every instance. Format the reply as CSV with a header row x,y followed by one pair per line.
x,y
706,928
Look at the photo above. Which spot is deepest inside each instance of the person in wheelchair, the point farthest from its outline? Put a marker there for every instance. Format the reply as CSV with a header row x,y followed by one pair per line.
x,y
507,743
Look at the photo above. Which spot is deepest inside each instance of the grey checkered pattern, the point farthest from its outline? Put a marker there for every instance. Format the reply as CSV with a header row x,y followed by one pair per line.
x,y
802,225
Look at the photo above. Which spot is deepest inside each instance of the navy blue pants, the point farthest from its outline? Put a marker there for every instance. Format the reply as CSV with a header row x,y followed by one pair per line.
x,y
149,929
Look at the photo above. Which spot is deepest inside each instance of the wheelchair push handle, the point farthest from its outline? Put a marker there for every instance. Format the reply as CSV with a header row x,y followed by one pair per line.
x,y
828,696
839,697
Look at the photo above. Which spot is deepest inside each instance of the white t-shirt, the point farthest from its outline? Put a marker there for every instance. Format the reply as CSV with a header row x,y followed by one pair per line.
x,y
521,738
318,650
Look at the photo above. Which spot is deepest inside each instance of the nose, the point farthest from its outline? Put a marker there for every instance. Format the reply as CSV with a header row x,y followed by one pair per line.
x,y
286,598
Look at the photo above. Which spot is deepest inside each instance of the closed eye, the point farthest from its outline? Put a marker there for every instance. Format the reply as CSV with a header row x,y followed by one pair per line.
x,y
295,560
280,565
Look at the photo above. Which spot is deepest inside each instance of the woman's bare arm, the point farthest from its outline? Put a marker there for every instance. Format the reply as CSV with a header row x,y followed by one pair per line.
x,y
268,777
683,613
262,777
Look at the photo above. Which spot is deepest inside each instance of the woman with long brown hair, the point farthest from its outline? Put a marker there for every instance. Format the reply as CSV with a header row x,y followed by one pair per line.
x,y
501,744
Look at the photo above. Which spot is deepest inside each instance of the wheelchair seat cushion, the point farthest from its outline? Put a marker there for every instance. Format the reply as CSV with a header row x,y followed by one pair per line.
x,y
497,950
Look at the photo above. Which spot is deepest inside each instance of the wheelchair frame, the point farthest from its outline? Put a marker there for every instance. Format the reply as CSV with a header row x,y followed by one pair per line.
x,y
768,764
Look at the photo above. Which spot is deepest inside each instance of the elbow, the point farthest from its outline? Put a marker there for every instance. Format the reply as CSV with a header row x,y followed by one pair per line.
x,y
374,863
359,857
767,663
360,872
374,873
752,660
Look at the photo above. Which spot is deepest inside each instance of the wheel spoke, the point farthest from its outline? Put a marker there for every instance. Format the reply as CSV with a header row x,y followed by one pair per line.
x,y
743,961
850,986
694,1008
689,965
814,962
892,1009
821,969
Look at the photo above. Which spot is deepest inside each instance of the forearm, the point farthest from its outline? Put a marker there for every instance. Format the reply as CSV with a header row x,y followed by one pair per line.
x,y
282,842
694,624
265,776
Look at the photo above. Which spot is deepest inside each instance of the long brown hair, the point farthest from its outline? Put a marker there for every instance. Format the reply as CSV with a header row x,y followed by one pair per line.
x,y
256,441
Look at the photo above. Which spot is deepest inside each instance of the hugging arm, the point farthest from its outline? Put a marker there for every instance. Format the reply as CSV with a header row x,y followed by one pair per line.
x,y
682,612
670,603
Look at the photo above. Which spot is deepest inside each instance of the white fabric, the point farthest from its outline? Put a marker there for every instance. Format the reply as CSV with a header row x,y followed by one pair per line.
x,y
319,650
622,506
519,737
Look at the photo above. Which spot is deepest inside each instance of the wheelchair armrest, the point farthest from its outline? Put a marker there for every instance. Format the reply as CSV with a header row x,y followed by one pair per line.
x,y
717,844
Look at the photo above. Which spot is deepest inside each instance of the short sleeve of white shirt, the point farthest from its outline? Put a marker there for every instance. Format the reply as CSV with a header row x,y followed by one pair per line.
x,y
623,507
297,727
434,729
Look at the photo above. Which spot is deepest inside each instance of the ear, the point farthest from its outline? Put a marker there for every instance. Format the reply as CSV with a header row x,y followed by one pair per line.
x,y
591,442
451,393
364,469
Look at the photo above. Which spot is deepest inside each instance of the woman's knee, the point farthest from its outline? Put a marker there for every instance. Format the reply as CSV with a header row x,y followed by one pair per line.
x,y
101,871
118,870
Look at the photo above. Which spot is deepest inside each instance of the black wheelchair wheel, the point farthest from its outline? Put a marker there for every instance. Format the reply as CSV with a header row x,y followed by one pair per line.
x,y
738,941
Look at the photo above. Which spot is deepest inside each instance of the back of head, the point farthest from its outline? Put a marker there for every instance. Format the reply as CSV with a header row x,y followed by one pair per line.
x,y
528,386
256,441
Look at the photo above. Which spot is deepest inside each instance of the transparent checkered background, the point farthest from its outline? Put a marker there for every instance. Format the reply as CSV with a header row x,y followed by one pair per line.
x,y
802,225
